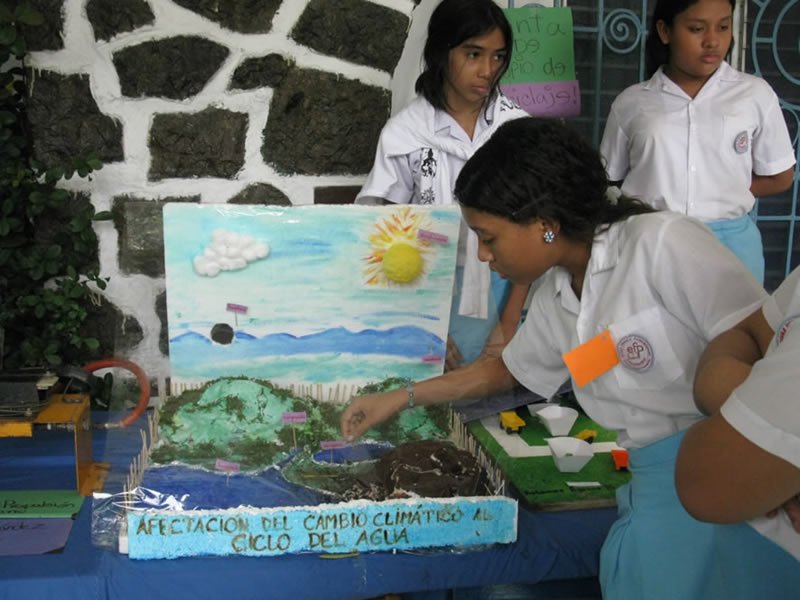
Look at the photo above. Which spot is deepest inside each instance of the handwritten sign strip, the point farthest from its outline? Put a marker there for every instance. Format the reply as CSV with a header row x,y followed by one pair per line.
x,y
554,99
39,503
333,528
20,537
543,45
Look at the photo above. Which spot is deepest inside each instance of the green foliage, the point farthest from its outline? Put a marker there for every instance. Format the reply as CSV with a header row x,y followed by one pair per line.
x,y
48,247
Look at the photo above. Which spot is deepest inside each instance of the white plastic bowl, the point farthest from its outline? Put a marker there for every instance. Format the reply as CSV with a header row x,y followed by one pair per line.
x,y
570,454
557,419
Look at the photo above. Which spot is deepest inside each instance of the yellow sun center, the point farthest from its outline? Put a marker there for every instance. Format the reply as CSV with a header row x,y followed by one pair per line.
x,y
402,263
397,255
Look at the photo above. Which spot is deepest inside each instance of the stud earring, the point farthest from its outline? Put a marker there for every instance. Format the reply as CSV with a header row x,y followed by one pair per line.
x,y
549,236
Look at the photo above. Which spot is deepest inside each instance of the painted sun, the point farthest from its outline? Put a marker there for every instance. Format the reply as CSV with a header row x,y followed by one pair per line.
x,y
397,254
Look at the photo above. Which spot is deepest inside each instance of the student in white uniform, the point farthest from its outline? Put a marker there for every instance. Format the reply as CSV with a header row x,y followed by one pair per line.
x,y
422,149
744,461
699,137
625,277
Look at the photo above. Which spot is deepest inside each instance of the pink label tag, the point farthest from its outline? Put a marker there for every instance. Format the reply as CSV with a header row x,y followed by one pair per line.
x,y
332,444
236,308
224,465
294,417
431,236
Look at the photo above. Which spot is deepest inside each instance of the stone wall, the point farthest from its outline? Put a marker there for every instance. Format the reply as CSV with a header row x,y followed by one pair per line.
x,y
241,101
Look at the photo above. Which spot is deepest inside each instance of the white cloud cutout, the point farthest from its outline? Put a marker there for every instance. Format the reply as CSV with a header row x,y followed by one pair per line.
x,y
229,251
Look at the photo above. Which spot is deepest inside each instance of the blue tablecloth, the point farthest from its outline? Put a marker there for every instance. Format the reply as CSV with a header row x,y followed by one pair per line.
x,y
550,546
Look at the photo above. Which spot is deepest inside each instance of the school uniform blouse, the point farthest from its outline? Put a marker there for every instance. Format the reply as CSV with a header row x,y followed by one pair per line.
x,y
663,286
764,408
420,153
696,155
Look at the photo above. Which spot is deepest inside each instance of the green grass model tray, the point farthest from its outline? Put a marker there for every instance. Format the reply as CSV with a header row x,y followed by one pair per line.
x,y
537,481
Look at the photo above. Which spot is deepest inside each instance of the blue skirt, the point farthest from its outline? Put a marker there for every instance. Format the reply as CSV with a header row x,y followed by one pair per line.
x,y
470,334
748,565
742,237
655,550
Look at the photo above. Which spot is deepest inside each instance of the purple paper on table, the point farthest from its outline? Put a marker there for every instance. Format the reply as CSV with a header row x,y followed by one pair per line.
x,y
491,405
21,537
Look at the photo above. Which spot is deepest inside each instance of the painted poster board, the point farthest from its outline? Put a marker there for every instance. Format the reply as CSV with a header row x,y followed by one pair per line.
x,y
541,75
308,294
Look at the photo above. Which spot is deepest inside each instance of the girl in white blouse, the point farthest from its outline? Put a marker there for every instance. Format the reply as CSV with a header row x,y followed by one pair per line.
x,y
619,284
422,149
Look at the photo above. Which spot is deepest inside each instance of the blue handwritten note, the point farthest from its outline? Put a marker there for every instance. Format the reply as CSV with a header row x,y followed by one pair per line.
x,y
39,503
20,537
327,529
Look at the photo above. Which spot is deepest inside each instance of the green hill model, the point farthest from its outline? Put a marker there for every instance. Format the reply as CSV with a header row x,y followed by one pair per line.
x,y
240,420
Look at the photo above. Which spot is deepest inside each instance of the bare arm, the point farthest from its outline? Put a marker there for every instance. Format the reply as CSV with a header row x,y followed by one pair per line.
x,y
512,311
487,375
724,478
766,185
500,335
727,360
509,320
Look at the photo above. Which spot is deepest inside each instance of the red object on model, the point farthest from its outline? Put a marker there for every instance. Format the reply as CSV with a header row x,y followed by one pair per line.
x,y
620,458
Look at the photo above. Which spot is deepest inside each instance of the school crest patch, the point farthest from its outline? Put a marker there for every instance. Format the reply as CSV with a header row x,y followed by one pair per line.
x,y
635,353
741,143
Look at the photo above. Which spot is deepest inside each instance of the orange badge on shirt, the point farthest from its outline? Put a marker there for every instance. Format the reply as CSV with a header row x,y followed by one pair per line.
x,y
591,359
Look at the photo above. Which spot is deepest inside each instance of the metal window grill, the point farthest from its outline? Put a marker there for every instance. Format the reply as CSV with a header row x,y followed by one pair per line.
x,y
609,56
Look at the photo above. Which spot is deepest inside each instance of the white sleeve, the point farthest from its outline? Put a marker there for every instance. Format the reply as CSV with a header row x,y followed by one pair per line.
x,y
764,408
773,151
614,148
391,178
784,302
699,280
530,355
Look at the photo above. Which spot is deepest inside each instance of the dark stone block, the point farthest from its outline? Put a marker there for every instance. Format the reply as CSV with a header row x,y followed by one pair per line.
x,y
46,36
112,17
206,144
118,333
261,193
244,16
176,68
321,123
353,30
140,226
264,71
340,194
66,122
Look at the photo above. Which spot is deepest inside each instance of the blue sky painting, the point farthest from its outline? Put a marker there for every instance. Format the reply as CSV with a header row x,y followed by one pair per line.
x,y
308,294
